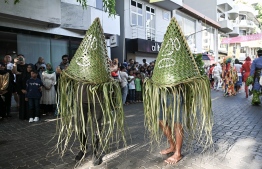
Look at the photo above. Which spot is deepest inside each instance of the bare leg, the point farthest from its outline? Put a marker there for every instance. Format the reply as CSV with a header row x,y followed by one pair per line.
x,y
167,132
246,90
178,145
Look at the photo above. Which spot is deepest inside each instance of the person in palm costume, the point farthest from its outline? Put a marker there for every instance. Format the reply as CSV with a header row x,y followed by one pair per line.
x,y
255,73
88,97
177,98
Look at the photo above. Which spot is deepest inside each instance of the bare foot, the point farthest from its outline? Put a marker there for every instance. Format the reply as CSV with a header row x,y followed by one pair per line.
x,y
167,151
173,159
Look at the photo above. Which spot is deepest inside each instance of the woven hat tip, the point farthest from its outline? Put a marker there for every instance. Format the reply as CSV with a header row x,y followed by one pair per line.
x,y
90,62
175,61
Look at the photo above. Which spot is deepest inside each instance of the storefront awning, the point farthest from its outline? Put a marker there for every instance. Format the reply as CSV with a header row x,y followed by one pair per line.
x,y
241,39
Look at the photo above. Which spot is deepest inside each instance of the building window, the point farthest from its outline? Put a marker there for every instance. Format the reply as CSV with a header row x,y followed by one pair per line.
x,y
243,50
205,48
136,13
188,26
150,23
166,15
242,17
242,32
99,4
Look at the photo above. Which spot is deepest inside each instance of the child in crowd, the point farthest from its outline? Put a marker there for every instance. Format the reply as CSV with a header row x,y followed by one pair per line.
x,y
33,95
131,86
138,86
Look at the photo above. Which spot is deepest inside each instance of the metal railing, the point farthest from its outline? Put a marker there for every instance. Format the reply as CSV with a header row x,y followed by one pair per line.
x,y
148,34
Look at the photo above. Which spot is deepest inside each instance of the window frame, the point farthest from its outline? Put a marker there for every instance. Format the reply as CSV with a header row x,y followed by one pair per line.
x,y
152,38
136,13
163,14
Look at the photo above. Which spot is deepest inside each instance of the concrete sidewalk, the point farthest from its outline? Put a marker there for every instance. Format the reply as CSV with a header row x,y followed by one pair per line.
x,y
237,135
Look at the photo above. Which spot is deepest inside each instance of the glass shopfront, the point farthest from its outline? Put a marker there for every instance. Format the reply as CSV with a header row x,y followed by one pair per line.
x,y
34,45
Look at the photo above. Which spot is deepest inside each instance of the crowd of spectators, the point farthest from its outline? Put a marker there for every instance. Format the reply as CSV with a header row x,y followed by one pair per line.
x,y
229,75
131,75
34,86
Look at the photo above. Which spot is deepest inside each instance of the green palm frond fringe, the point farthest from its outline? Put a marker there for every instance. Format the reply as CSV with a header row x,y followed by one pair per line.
x,y
72,124
197,116
177,74
89,75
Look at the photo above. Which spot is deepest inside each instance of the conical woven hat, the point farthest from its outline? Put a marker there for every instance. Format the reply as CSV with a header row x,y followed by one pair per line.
x,y
175,62
89,63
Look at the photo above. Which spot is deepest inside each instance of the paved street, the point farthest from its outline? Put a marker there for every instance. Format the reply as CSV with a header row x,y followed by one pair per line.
x,y
237,136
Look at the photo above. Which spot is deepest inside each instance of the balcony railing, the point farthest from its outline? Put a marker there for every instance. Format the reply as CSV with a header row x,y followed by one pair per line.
x,y
246,23
226,25
247,9
148,34
169,4
235,32
224,5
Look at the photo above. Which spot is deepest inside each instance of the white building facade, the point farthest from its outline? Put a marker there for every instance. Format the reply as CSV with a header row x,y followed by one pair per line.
x,y
50,28
213,27
143,26
244,24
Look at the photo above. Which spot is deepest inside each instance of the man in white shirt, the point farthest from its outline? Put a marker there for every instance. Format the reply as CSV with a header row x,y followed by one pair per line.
x,y
217,75
238,67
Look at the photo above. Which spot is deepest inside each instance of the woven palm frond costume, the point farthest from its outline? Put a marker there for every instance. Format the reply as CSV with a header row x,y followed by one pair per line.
x,y
88,76
176,74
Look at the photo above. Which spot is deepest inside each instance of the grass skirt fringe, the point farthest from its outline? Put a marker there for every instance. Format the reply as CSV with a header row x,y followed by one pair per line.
x,y
73,125
192,97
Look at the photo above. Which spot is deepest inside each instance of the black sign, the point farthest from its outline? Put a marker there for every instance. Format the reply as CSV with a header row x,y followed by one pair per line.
x,y
142,45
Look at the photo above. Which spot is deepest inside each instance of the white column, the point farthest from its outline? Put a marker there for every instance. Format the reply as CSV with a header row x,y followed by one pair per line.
x,y
216,44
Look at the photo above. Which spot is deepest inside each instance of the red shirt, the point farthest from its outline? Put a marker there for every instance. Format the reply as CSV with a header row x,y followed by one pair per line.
x,y
245,70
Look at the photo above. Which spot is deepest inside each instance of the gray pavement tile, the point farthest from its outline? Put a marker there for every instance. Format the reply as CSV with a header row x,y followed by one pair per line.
x,y
22,167
6,165
237,139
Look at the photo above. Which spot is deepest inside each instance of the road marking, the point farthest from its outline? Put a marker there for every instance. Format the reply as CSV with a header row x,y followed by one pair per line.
x,y
214,99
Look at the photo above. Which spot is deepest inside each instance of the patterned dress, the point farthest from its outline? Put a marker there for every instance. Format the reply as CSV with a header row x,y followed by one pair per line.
x,y
229,76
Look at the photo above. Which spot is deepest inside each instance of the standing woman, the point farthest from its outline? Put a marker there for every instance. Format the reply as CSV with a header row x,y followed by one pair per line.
x,y
229,76
21,90
48,93
39,63
245,70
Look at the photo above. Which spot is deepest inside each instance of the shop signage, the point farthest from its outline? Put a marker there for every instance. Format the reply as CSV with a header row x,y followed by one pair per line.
x,y
155,47
113,41
142,45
